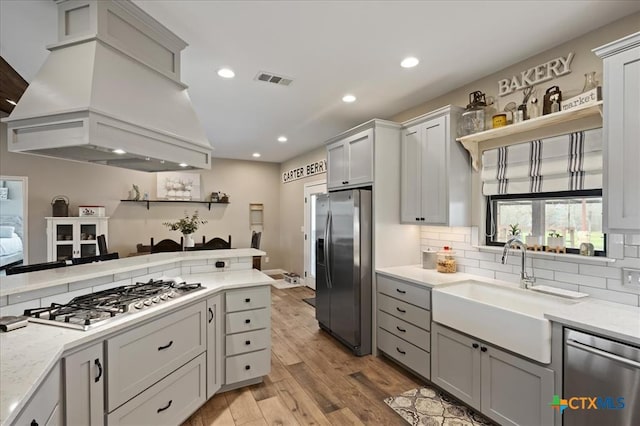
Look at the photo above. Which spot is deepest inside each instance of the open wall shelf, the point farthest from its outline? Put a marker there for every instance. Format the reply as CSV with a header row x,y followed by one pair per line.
x,y
209,203
558,123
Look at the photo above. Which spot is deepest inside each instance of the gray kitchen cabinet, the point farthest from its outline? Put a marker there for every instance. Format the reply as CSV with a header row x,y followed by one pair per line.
x,y
403,321
44,406
502,386
214,345
84,382
350,161
435,184
621,127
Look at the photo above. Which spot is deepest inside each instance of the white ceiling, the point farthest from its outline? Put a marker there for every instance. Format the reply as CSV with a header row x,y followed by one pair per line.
x,y
329,48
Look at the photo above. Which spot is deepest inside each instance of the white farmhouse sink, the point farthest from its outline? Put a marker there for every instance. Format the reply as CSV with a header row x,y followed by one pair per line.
x,y
512,318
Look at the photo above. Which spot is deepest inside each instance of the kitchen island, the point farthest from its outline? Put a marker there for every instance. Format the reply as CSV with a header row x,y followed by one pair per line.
x,y
213,315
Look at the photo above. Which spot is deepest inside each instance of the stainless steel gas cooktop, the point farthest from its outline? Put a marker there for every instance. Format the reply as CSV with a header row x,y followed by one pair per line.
x,y
87,311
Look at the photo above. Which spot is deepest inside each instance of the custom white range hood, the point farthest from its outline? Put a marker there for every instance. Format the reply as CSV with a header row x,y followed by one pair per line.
x,y
111,83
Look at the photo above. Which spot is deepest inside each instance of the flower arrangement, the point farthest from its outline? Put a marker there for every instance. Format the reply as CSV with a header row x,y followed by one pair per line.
x,y
186,225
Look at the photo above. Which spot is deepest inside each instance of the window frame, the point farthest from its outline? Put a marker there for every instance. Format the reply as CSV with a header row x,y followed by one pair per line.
x,y
491,199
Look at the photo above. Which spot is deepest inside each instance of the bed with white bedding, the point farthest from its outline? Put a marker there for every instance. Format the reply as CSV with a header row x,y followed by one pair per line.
x,y
11,247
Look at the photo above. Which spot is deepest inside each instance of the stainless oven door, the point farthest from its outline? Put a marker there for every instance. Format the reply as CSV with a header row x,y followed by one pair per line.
x,y
603,368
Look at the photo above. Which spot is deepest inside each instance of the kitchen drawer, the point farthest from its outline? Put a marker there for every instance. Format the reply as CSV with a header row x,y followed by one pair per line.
x,y
405,353
248,342
253,298
405,331
43,405
170,401
412,314
239,322
248,366
141,357
415,295
55,418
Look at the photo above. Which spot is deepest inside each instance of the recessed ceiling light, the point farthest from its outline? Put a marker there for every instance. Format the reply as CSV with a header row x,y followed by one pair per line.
x,y
183,164
409,62
256,155
282,139
119,151
348,98
226,73
11,102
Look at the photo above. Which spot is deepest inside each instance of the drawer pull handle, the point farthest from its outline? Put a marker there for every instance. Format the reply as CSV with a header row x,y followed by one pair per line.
x,y
247,342
34,423
247,321
483,349
210,315
247,300
400,350
401,291
97,364
166,407
401,310
475,346
247,367
401,329
167,346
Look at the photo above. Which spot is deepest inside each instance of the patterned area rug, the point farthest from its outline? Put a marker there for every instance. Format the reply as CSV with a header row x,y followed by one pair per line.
x,y
430,407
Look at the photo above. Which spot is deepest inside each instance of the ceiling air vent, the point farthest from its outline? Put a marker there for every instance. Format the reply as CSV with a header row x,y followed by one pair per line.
x,y
269,77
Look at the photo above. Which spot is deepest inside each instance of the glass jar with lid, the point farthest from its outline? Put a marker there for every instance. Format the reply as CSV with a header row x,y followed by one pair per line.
x,y
446,261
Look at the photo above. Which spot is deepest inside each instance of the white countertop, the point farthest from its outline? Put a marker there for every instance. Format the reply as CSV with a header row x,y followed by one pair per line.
x,y
52,277
618,321
29,353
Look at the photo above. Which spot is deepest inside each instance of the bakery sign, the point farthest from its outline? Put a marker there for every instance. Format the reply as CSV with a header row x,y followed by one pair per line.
x,y
539,74
315,168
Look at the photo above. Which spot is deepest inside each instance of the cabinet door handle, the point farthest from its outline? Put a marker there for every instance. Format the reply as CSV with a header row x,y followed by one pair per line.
x,y
247,300
412,133
34,423
247,367
210,315
97,364
166,407
401,291
483,349
401,310
402,330
417,219
422,219
167,346
247,342
247,321
400,350
475,346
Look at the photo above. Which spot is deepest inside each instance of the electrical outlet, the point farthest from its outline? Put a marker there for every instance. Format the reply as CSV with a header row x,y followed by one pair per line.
x,y
631,277
222,264
266,259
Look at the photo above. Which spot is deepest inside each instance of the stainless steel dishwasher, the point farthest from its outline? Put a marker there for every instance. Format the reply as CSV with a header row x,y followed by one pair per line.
x,y
599,367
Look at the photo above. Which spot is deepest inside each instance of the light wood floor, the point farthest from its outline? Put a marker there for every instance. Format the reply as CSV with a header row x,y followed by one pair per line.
x,y
314,380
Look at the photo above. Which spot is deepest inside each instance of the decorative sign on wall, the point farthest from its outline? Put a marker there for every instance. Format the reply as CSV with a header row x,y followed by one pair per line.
x,y
544,72
315,168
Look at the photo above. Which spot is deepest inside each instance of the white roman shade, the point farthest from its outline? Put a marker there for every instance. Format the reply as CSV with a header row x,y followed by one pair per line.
x,y
562,163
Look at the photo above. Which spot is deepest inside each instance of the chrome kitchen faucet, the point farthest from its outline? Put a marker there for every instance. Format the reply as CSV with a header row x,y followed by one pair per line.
x,y
526,281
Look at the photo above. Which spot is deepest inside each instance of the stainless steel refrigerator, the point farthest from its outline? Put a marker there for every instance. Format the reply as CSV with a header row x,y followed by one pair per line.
x,y
343,267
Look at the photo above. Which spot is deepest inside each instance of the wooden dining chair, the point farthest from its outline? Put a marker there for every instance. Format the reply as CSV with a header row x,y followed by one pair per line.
x,y
167,245
215,243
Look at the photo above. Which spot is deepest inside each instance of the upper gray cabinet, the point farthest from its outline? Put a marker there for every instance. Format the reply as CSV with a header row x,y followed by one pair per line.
x,y
621,128
435,184
350,161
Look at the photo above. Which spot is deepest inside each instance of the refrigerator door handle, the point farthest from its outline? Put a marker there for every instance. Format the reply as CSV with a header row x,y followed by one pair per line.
x,y
327,252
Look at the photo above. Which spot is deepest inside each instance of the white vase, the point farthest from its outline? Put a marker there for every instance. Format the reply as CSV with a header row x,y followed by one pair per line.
x,y
533,240
188,240
555,242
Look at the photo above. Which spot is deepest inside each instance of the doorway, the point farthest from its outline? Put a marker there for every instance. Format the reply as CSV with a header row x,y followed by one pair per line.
x,y
311,192
13,221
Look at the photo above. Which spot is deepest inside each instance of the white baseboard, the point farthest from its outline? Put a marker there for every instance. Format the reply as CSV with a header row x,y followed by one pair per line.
x,y
273,271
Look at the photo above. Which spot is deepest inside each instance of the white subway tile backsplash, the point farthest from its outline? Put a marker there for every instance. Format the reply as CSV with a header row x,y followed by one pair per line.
x,y
130,274
556,266
617,285
78,285
479,271
475,254
430,235
512,278
468,262
240,266
126,281
202,269
228,260
496,266
18,308
162,268
581,280
194,262
599,271
632,239
461,238
628,262
631,251
64,297
615,246
37,294
612,296
545,274
4,301
175,272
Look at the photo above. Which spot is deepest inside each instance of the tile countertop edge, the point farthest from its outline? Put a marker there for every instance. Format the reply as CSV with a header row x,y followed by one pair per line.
x,y
15,284
615,320
11,405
